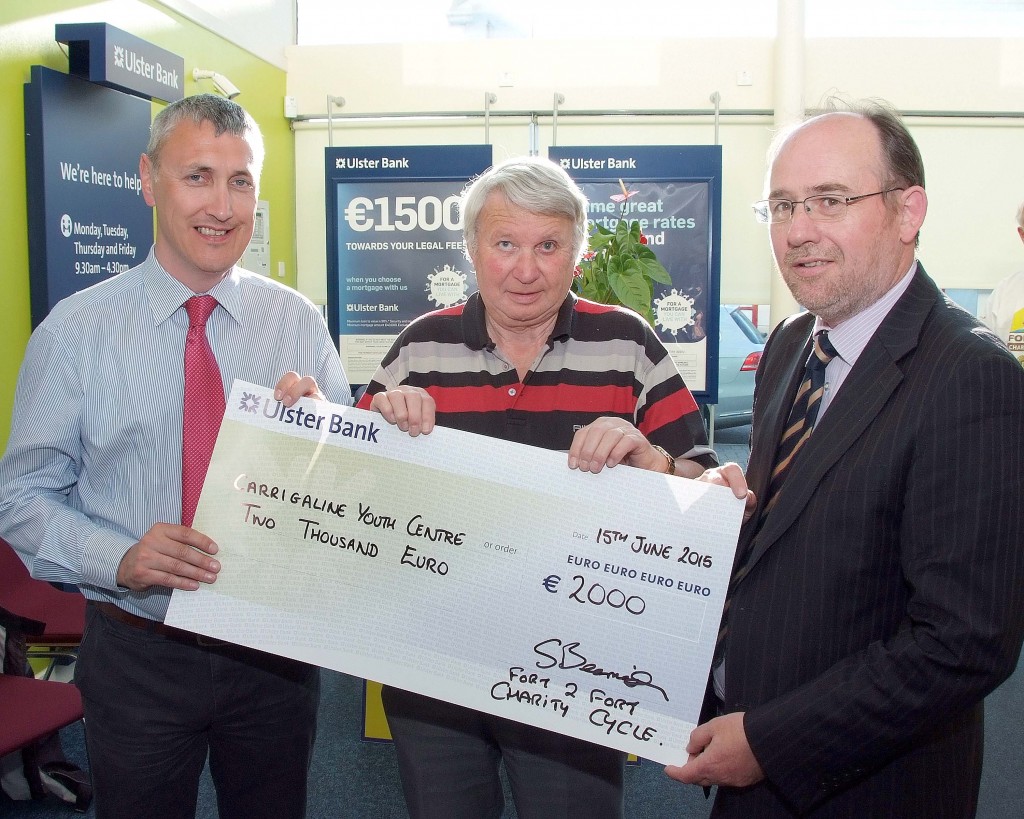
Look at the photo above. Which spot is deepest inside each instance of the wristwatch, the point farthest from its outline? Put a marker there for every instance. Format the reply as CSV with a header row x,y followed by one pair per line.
x,y
669,458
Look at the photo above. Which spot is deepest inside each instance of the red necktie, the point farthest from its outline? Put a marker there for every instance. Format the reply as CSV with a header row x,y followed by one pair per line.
x,y
203,406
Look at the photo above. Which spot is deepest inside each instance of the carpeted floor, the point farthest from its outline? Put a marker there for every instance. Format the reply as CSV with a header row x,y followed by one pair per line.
x,y
351,779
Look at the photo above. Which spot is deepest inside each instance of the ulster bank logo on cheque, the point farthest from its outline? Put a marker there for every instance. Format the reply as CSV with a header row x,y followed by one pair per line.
x,y
334,423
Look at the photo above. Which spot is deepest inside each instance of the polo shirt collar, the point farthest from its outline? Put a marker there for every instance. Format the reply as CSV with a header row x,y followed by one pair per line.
x,y
474,324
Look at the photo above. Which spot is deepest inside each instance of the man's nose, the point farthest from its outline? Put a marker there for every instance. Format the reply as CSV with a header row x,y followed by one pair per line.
x,y
219,203
801,228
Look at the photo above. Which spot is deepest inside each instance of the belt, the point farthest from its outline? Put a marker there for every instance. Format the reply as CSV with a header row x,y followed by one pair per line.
x,y
153,626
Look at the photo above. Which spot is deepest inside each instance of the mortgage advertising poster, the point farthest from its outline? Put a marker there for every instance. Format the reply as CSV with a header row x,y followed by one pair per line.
x,y
395,248
675,193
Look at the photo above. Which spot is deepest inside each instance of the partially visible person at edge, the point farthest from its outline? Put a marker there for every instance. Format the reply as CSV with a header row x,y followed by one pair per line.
x,y
525,360
91,486
1004,311
878,588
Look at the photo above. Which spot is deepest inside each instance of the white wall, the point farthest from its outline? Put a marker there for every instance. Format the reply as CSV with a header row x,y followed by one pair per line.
x,y
973,164
264,28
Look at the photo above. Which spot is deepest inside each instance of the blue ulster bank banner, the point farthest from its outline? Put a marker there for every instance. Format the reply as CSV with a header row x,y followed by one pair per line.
x,y
675,192
86,215
394,235
106,55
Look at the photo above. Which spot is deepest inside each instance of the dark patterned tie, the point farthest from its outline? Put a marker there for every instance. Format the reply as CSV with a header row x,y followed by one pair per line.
x,y
802,416
798,429
203,406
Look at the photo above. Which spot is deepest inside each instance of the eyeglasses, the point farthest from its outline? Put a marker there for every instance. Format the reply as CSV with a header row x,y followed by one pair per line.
x,y
825,207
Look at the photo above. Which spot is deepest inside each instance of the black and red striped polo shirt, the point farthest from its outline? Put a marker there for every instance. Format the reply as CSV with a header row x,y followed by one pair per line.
x,y
599,361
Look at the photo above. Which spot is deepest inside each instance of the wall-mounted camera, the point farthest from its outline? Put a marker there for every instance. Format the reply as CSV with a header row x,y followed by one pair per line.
x,y
220,82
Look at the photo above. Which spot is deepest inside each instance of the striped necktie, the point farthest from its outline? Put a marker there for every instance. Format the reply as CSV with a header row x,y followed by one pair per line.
x,y
203,406
798,429
802,416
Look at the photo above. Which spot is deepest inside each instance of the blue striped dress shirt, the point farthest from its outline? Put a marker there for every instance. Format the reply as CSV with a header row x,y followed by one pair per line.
x,y
94,456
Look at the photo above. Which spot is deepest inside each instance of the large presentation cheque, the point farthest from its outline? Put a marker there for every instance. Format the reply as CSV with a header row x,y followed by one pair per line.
x,y
474,570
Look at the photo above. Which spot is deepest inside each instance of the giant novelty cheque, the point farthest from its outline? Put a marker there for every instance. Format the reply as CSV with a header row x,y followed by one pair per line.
x,y
477,571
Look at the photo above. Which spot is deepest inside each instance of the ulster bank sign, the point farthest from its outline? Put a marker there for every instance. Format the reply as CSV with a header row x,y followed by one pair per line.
x,y
102,54
84,131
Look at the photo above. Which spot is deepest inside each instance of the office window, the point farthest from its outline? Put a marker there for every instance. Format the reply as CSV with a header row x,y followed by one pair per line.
x,y
393,21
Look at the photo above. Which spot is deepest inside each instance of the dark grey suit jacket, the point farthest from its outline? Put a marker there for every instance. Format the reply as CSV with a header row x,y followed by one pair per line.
x,y
886,596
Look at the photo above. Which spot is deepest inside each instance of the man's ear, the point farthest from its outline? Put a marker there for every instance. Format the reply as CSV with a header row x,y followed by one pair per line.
x,y
146,172
914,209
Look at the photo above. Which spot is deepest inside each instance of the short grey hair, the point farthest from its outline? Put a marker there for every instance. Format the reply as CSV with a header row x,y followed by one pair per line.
x,y
532,183
225,116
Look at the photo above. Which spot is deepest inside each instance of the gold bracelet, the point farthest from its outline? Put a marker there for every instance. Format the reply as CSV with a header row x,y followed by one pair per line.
x,y
669,458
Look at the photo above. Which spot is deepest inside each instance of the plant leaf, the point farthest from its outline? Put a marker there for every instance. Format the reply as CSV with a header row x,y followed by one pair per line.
x,y
633,291
600,240
654,270
622,230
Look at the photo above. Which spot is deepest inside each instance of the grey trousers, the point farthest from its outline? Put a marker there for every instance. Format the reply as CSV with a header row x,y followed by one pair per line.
x,y
449,758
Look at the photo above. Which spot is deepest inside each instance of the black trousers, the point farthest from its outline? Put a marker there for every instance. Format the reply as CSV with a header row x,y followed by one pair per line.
x,y
156,706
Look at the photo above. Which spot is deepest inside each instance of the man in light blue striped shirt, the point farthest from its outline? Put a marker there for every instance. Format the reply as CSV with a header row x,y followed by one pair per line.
x,y
90,486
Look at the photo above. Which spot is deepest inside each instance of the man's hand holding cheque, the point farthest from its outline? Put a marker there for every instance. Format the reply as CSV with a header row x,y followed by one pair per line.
x,y
731,475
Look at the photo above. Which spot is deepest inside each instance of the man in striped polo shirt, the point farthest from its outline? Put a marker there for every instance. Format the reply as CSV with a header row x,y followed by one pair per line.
x,y
525,360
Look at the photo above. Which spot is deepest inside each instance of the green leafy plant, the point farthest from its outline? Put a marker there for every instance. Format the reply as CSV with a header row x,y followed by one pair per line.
x,y
619,267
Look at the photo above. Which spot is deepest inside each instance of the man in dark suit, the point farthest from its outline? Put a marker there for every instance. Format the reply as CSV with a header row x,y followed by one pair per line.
x,y
878,589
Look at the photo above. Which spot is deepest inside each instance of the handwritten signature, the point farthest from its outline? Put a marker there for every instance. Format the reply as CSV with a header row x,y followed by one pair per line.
x,y
566,655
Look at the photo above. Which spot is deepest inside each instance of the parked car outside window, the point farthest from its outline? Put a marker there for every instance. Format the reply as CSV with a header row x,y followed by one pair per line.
x,y
739,350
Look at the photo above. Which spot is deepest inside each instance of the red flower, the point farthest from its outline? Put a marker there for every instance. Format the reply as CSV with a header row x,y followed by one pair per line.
x,y
643,239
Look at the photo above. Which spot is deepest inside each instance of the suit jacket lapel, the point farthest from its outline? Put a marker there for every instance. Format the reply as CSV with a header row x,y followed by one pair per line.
x,y
777,386
865,392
